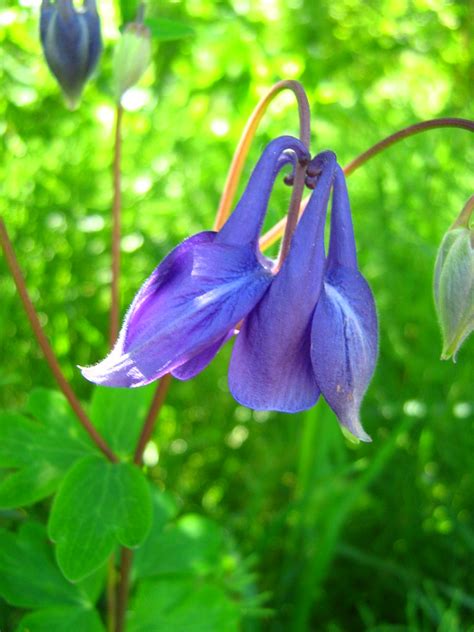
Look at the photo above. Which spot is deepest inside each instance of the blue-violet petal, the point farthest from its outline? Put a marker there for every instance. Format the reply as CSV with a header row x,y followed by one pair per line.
x,y
271,365
195,296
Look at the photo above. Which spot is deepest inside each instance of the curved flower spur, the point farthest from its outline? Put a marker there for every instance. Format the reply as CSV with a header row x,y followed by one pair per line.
x,y
290,349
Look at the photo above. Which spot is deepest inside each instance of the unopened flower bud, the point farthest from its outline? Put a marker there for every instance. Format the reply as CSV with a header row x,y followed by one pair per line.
x,y
72,44
132,55
454,288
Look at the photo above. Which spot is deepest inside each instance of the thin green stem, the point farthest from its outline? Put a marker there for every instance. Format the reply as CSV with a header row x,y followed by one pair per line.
x,y
43,342
116,228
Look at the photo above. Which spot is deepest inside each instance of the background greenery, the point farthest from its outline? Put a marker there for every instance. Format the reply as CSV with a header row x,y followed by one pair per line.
x,y
342,537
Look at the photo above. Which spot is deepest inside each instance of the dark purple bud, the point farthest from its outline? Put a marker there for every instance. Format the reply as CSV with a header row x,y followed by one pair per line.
x,y
72,44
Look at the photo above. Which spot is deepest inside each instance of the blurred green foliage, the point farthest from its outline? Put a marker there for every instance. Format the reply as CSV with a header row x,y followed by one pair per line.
x,y
344,536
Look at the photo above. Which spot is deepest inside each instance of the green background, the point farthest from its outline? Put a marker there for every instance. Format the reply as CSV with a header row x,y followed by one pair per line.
x,y
344,537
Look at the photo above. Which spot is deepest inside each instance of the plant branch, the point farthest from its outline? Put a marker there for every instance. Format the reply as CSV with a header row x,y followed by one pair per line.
x,y
406,132
116,228
126,554
126,558
111,595
43,342
274,234
245,141
293,214
148,426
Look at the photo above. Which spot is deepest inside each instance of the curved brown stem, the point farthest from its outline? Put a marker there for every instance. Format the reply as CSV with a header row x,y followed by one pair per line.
x,y
245,141
155,407
293,214
46,347
274,234
126,559
411,130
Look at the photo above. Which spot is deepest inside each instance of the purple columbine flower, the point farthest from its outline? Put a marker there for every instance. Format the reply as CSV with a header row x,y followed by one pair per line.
x,y
344,332
72,44
315,330
309,328
192,302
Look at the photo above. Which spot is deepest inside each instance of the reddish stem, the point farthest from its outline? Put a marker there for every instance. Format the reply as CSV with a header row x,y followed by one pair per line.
x,y
411,130
245,141
126,554
126,559
293,214
148,426
46,347
274,234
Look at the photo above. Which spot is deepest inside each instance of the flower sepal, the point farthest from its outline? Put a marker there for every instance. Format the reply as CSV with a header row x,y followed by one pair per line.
x,y
454,288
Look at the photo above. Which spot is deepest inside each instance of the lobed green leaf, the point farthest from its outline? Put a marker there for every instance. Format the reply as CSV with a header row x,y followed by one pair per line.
x,y
98,505
36,453
30,578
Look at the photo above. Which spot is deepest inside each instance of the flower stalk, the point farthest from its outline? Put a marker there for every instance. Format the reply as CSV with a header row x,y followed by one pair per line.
x,y
275,233
48,352
126,559
155,407
243,147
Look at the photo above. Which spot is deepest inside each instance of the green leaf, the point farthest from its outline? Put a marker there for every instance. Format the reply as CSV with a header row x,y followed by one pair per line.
x,y
99,504
37,452
192,545
182,604
61,618
29,576
167,30
118,414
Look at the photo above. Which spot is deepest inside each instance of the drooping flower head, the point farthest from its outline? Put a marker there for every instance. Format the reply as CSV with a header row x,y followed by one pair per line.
x,y
344,333
194,299
315,330
307,329
72,44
